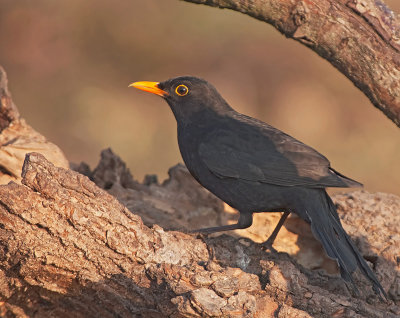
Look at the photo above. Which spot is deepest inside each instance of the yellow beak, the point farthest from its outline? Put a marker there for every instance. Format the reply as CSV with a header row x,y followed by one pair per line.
x,y
151,87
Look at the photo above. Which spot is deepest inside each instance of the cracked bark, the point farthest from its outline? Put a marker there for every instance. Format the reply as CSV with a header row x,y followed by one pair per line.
x,y
70,249
361,38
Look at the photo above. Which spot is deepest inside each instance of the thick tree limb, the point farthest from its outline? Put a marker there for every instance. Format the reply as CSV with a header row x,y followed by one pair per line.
x,y
361,38
69,249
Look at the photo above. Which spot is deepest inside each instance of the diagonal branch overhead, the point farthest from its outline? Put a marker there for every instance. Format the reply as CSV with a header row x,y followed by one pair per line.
x,y
361,38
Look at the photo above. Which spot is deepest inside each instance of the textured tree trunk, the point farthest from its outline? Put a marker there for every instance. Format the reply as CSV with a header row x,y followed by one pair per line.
x,y
361,38
68,248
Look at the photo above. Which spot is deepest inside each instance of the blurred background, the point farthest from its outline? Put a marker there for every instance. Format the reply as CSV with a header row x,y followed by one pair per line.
x,y
69,64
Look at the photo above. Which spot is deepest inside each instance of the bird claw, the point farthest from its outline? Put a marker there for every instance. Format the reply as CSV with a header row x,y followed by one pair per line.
x,y
267,245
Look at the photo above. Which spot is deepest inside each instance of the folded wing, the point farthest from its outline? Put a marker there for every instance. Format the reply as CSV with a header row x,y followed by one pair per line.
x,y
267,155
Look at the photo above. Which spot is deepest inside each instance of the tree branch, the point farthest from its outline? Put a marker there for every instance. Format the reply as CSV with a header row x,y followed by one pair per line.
x,y
17,138
361,38
70,249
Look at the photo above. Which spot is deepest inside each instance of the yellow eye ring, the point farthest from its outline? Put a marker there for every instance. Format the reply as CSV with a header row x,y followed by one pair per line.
x,y
181,90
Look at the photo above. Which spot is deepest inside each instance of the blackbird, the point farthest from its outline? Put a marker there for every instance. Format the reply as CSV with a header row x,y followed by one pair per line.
x,y
255,167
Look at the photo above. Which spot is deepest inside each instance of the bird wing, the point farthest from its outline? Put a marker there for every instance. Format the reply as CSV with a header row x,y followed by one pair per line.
x,y
268,155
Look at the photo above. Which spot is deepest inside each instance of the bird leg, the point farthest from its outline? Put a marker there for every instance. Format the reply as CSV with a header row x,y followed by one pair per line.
x,y
272,237
245,221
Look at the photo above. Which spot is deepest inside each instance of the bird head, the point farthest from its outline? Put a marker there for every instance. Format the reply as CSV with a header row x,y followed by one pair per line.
x,y
187,96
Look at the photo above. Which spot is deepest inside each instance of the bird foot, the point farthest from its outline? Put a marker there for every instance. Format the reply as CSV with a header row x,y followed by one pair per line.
x,y
267,245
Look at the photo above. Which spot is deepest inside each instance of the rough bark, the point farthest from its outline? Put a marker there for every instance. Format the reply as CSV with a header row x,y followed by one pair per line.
x,y
70,249
361,38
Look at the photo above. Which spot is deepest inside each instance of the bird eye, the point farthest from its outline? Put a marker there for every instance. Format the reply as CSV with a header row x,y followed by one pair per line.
x,y
181,90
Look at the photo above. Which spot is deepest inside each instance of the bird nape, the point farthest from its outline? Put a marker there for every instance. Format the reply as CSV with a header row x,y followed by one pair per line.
x,y
255,167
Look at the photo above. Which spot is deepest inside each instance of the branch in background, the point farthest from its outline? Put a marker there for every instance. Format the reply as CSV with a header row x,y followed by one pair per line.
x,y
361,38
8,110
17,138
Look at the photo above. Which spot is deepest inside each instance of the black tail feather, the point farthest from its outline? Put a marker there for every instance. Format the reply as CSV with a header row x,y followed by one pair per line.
x,y
326,226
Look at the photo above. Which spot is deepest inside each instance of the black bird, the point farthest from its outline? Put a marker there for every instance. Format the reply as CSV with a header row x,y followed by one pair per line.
x,y
254,167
